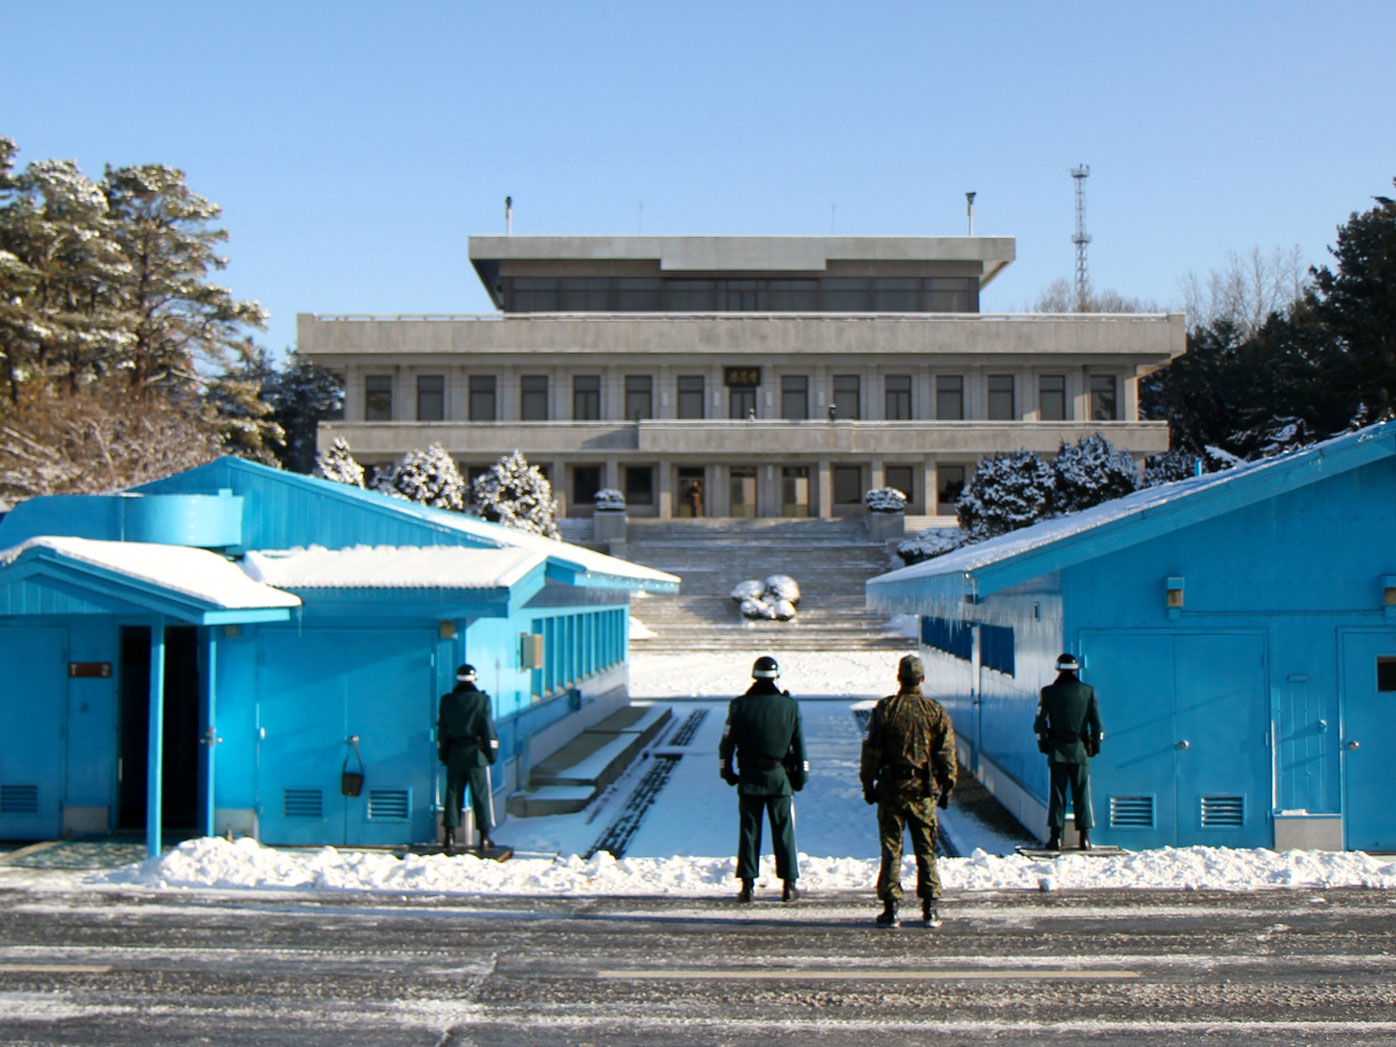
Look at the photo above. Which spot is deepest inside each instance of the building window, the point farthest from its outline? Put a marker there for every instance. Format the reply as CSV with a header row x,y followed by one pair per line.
x,y
1051,398
741,491
848,484
586,481
794,397
532,294
1386,673
950,483
431,398
378,398
1001,405
897,294
794,490
584,294
639,397
638,294
586,398
902,478
690,296
898,400
843,294
741,402
950,397
482,397
794,296
639,484
533,398
847,401
1104,403
691,393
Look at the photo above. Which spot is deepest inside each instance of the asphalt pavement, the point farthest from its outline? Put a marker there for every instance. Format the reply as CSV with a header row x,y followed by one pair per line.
x,y
1154,968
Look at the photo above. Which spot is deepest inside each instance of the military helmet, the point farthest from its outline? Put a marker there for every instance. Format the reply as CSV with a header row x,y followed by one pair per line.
x,y
1067,663
765,668
910,668
465,672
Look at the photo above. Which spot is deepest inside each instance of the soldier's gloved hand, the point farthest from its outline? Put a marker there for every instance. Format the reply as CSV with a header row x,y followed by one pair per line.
x,y
729,776
943,800
869,796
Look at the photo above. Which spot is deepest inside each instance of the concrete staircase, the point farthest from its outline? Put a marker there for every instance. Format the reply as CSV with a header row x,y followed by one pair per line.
x,y
830,559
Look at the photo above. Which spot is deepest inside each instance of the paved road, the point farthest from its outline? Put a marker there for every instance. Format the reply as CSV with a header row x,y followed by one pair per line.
x,y
1060,968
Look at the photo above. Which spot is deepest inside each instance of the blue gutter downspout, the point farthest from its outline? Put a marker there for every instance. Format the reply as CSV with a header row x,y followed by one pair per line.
x,y
154,786
210,738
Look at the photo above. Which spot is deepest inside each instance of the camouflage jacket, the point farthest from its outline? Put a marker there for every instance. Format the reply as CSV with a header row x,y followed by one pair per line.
x,y
910,747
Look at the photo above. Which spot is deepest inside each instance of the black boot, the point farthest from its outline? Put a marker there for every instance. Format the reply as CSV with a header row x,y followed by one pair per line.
x,y
790,892
929,916
450,845
1054,840
1085,839
888,916
744,895
486,844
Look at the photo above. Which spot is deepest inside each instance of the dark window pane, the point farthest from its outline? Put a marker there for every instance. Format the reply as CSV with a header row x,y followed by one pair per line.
x,y
898,405
533,398
639,484
639,400
378,398
903,478
1051,397
794,397
741,296
950,397
847,401
794,490
794,296
586,481
584,294
690,295
638,294
1001,405
848,484
531,294
691,396
845,294
953,295
896,295
741,402
1386,673
586,398
482,398
741,490
431,398
1104,405
950,481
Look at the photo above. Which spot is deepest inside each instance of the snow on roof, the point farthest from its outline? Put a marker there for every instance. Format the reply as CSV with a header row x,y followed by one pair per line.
x,y
963,563
196,573
392,567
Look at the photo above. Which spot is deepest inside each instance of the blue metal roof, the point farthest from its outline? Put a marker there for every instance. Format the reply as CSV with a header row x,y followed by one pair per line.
x,y
1011,559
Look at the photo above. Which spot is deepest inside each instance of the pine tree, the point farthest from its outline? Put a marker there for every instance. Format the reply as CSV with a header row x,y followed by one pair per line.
x,y
1089,472
516,494
338,464
302,395
240,399
1007,491
429,477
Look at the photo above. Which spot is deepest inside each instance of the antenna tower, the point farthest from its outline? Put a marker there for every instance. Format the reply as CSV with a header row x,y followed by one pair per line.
x,y
1081,239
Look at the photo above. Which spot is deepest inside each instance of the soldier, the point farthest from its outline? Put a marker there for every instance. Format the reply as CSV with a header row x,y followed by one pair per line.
x,y
467,745
1068,732
908,767
764,733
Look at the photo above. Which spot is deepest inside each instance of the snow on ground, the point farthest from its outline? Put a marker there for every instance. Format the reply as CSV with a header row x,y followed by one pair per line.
x,y
685,844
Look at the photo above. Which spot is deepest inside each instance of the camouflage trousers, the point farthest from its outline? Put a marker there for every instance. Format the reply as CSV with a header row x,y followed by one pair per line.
x,y
918,817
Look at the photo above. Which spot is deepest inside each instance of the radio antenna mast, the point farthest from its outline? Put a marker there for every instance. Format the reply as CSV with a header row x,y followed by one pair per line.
x,y
1081,239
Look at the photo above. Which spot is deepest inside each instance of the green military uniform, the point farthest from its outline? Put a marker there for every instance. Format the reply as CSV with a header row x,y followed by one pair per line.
x,y
765,735
908,759
1069,733
467,744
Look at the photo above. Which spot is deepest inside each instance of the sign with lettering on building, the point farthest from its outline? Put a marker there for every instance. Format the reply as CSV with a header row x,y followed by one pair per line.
x,y
90,670
741,377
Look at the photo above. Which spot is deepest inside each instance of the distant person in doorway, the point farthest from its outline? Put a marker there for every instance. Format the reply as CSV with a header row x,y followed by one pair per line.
x,y
467,745
1069,734
908,769
765,736
694,495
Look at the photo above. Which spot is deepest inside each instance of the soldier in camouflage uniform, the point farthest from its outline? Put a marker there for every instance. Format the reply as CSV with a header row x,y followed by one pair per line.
x,y
1069,734
764,734
908,767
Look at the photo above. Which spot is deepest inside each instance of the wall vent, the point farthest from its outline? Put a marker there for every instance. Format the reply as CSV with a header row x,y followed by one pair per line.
x,y
1223,812
303,803
1131,812
19,799
389,804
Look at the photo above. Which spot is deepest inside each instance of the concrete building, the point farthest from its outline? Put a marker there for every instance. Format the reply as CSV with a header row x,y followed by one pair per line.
x,y
1239,629
218,646
740,376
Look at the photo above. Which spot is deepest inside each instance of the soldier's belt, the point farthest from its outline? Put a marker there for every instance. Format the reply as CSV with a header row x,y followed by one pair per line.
x,y
761,763
904,772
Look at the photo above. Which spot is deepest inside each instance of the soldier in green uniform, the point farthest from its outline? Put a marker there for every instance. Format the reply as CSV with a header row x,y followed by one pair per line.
x,y
908,767
764,733
467,745
1068,732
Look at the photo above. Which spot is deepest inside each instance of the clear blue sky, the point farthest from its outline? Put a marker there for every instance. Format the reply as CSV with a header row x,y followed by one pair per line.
x,y
355,146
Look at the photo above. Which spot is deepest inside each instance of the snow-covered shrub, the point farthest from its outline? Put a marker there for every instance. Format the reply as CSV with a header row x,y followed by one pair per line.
x,y
1007,491
884,500
1089,472
750,589
783,587
338,464
929,544
751,607
428,477
516,494
782,610
609,498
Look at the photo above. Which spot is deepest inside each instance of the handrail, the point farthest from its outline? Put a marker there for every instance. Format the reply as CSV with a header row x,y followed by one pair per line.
x,y
1112,318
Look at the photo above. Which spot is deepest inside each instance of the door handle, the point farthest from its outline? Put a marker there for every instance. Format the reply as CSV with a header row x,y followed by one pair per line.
x,y
1185,744
1354,745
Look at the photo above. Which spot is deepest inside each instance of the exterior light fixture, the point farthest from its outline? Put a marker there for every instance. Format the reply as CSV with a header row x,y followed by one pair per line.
x,y
1173,596
1388,595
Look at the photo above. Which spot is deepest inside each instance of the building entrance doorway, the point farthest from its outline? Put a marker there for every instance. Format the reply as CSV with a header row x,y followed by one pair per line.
x,y
794,490
180,764
692,492
742,491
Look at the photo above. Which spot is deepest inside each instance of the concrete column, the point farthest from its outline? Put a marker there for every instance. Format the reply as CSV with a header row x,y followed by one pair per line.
x,y
824,480
561,494
719,493
928,486
664,493
611,474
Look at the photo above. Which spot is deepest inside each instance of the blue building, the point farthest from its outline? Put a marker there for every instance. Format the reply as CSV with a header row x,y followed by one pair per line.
x,y
1239,629
220,645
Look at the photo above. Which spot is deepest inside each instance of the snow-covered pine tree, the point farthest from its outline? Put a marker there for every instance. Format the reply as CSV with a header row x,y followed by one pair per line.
x,y
338,464
301,395
428,477
1007,491
1089,472
516,494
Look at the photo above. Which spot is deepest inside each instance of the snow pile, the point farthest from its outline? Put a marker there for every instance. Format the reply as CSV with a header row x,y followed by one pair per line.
x,y
609,498
246,864
775,598
885,500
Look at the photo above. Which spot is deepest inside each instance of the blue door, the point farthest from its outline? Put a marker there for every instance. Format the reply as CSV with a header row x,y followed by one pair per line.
x,y
1369,739
1186,758
322,688
31,734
